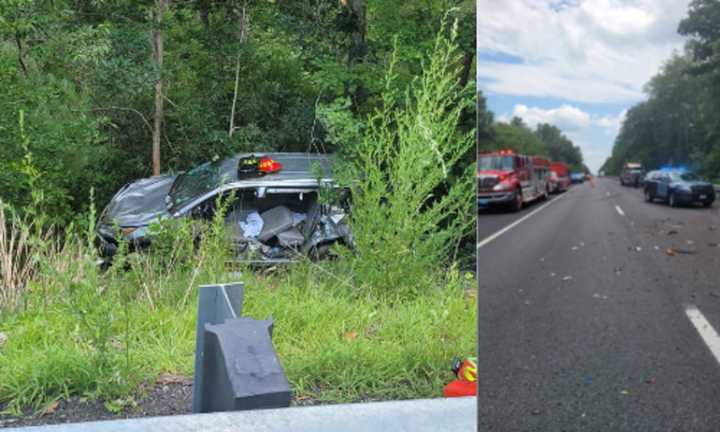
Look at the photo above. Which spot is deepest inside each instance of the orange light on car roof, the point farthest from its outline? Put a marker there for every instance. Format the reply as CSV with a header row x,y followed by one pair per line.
x,y
269,166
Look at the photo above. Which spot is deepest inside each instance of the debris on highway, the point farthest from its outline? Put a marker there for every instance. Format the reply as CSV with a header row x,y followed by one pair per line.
x,y
601,297
567,278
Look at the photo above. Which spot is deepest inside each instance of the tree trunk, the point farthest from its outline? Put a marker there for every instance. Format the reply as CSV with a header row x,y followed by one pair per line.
x,y
18,42
158,117
357,50
243,28
467,64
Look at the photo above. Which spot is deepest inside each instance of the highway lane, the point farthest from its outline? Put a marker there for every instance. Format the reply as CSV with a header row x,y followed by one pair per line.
x,y
582,315
494,219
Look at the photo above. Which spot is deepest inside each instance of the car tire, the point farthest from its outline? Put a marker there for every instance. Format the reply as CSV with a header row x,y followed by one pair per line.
x,y
707,203
648,196
672,201
517,204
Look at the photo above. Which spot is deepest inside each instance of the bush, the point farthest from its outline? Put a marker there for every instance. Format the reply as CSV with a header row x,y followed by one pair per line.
x,y
412,192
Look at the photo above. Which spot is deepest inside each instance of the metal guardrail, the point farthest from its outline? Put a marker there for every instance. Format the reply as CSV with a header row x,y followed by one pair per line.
x,y
423,415
236,366
216,303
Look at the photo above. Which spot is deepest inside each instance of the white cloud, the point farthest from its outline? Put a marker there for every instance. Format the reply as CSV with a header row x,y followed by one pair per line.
x,y
612,124
591,51
566,117
578,125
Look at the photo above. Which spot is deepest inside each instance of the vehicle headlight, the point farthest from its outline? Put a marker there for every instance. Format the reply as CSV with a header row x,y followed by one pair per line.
x,y
503,185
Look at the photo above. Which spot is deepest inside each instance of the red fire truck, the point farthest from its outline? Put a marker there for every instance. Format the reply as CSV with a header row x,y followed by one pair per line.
x,y
507,178
559,177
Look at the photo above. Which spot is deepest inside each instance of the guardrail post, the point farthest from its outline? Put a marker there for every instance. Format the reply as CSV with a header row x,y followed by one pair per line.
x,y
236,366
241,368
216,304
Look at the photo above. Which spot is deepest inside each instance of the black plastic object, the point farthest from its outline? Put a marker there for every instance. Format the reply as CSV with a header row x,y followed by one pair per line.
x,y
241,370
248,167
275,221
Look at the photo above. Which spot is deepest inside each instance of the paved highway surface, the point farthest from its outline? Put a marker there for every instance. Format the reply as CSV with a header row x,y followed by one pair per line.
x,y
598,312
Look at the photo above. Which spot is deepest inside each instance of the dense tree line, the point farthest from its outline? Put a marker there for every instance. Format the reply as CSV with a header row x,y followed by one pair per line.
x,y
89,88
679,123
546,140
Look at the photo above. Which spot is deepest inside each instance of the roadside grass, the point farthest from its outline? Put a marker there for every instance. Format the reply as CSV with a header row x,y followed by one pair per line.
x,y
334,347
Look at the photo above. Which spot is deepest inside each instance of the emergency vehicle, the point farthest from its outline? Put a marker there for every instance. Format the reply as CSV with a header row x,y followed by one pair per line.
x,y
507,178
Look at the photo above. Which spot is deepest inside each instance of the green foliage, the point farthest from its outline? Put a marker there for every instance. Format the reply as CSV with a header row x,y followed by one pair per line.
x,y
558,147
680,121
516,137
410,184
83,74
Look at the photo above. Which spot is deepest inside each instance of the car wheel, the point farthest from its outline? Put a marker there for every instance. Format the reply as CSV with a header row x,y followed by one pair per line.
x,y
672,200
707,203
648,196
517,200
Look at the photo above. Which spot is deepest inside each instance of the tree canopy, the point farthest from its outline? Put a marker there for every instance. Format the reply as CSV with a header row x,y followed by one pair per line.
x,y
237,75
679,123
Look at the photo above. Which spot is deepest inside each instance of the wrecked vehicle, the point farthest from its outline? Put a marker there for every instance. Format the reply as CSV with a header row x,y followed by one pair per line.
x,y
278,211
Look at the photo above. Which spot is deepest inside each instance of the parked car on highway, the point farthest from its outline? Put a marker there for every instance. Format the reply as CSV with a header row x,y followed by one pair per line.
x,y
577,177
678,188
559,177
510,179
275,213
631,175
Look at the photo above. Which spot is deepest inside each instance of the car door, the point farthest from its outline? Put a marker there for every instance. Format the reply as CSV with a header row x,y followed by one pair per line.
x,y
662,186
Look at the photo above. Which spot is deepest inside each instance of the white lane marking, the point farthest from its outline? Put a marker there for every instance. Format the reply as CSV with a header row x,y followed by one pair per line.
x,y
707,332
516,223
619,210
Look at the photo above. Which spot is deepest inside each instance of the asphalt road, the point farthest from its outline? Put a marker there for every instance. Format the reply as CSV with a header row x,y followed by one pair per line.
x,y
585,308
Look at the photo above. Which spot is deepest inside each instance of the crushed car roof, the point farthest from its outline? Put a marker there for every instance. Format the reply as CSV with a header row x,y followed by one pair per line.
x,y
295,166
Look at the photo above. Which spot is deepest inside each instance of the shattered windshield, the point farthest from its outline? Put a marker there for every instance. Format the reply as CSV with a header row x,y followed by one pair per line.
x,y
495,163
193,184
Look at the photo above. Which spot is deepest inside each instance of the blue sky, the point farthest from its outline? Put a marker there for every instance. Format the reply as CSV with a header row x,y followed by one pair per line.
x,y
578,64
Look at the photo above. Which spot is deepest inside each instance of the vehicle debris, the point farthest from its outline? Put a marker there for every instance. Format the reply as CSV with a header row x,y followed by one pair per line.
x,y
567,278
601,297
685,251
